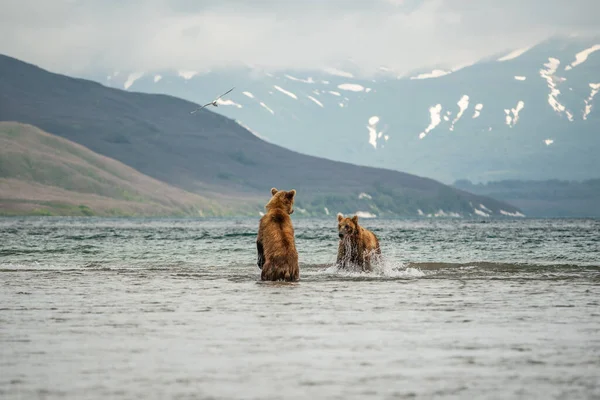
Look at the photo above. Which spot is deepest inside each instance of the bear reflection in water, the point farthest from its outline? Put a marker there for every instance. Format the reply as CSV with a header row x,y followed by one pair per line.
x,y
358,246
277,255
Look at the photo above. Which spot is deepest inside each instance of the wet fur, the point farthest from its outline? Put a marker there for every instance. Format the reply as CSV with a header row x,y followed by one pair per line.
x,y
275,244
358,246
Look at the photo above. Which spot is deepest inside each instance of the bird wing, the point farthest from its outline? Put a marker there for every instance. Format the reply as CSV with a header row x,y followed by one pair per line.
x,y
200,108
224,93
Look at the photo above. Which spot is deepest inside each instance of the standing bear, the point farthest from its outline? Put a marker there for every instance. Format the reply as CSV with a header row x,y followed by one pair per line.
x,y
277,255
358,246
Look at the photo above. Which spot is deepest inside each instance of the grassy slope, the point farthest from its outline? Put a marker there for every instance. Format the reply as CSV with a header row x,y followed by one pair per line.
x,y
44,174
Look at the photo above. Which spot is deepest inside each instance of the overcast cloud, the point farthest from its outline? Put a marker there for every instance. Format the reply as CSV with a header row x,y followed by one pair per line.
x,y
76,36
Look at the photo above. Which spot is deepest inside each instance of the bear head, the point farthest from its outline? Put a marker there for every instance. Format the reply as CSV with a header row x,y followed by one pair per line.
x,y
282,200
347,226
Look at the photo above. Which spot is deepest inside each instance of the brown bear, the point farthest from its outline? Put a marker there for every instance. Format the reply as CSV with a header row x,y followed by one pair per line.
x,y
358,246
277,255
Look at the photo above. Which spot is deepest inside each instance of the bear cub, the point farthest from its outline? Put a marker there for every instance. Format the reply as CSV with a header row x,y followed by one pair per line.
x,y
358,246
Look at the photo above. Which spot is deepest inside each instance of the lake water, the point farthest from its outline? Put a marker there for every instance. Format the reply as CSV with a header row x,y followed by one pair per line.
x,y
173,308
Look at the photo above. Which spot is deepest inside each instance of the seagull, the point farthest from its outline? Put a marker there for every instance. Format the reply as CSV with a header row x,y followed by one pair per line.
x,y
212,103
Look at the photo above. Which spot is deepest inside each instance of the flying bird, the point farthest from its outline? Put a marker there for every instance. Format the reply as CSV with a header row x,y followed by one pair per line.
x,y
212,103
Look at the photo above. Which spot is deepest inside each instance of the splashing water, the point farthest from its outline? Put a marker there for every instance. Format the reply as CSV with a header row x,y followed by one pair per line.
x,y
380,266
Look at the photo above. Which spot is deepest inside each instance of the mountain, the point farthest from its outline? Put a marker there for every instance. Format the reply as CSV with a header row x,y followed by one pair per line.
x,y
527,114
41,173
211,155
552,198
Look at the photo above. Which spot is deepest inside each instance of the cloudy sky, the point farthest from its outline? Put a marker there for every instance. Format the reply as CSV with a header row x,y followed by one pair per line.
x,y
82,36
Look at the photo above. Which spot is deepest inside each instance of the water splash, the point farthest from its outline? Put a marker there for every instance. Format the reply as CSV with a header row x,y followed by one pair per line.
x,y
382,267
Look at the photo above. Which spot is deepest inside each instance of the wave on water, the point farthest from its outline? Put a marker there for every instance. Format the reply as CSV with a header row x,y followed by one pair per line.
x,y
391,269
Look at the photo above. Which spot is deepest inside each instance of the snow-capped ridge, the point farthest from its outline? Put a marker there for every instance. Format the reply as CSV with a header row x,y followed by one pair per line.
x,y
436,73
514,54
187,75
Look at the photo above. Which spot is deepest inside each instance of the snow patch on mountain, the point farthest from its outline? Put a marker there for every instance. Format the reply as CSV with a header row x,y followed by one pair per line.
x,y
316,101
436,73
484,208
478,108
515,214
569,115
511,120
364,195
263,105
132,78
157,78
292,78
442,213
335,93
222,102
588,102
352,87
463,104
292,95
187,75
372,128
365,214
549,74
337,72
514,54
481,213
434,113
520,78
248,94
582,56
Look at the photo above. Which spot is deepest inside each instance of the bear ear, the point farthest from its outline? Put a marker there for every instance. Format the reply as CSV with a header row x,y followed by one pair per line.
x,y
291,194
355,219
340,216
273,191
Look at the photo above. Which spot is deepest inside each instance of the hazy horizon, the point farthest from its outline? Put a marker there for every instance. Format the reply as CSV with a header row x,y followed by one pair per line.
x,y
76,36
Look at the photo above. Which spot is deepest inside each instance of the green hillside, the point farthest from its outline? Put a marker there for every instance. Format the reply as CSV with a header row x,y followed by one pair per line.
x,y
44,174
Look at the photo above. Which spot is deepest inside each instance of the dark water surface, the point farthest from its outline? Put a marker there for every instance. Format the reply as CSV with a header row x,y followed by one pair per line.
x,y
172,308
